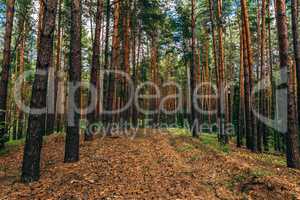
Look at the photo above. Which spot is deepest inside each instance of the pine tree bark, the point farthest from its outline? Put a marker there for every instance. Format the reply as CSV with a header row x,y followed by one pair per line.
x,y
154,76
126,55
262,130
249,81
6,69
272,93
106,62
193,72
115,62
91,117
242,124
221,78
36,122
51,99
59,77
74,97
21,72
52,80
248,123
211,5
40,21
294,9
134,24
292,137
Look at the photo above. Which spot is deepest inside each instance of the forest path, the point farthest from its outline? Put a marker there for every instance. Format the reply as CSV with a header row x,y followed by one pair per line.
x,y
154,165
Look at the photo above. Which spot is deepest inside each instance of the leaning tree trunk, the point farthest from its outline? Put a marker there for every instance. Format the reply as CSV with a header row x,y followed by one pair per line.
x,y
5,69
292,137
36,123
72,136
91,117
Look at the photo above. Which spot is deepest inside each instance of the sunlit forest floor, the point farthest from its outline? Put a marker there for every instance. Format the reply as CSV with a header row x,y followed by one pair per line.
x,y
156,165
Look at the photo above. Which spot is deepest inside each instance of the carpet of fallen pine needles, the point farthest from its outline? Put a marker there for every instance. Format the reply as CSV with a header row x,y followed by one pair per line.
x,y
154,165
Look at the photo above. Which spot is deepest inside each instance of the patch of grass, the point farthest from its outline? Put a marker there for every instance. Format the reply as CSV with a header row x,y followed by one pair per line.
x,y
179,131
245,177
236,180
211,140
10,146
16,142
194,158
4,151
185,148
259,173
273,159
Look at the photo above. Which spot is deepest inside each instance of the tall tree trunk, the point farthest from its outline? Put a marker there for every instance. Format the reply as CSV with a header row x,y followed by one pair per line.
x,y
52,80
294,8
126,55
248,123
241,122
262,131
62,92
51,99
249,81
115,62
292,137
134,24
59,71
40,22
193,119
74,97
36,123
259,74
272,93
91,117
154,77
21,72
106,62
6,69
221,78
211,5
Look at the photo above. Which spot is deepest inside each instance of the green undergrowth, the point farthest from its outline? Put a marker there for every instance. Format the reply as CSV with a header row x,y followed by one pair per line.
x,y
180,132
211,141
246,177
11,146
207,139
185,148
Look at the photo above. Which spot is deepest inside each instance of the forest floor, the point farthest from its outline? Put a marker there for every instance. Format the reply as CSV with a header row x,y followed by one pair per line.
x,y
154,165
